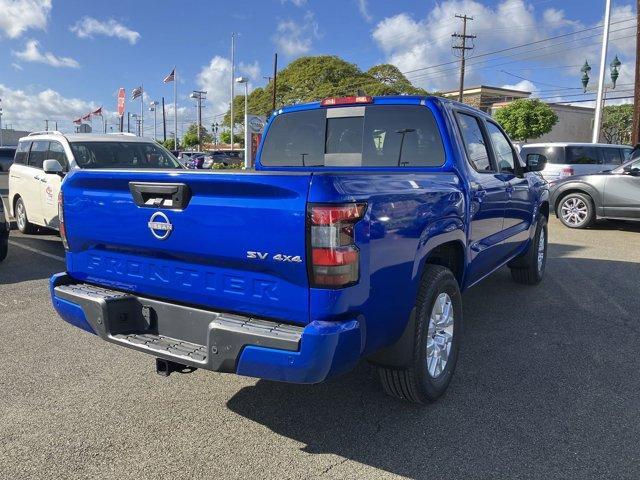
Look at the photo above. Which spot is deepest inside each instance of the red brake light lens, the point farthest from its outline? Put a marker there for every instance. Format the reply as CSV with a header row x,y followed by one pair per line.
x,y
62,228
334,256
330,102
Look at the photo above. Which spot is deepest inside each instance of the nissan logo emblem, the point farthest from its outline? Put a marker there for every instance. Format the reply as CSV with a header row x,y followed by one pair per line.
x,y
160,226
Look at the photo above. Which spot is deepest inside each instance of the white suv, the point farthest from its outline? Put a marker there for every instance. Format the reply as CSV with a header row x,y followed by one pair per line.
x,y
44,158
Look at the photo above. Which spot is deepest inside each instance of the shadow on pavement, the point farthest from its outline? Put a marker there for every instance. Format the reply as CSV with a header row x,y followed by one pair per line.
x,y
23,265
546,387
620,225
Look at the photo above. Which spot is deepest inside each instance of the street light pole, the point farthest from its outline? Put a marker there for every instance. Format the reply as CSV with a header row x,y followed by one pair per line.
x,y
152,108
603,61
245,81
1,139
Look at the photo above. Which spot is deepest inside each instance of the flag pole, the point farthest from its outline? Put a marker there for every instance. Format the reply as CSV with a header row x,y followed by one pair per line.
x,y
175,108
142,110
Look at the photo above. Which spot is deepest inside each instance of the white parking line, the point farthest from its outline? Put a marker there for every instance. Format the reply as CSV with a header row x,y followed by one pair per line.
x,y
39,252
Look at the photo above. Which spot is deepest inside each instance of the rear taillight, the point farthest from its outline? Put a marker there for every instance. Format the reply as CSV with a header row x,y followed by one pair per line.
x,y
63,230
335,259
566,172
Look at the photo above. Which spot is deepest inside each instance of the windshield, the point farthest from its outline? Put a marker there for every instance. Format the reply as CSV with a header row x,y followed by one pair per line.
x,y
122,155
372,136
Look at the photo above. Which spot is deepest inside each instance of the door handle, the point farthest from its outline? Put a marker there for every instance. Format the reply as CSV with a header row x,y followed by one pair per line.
x,y
477,192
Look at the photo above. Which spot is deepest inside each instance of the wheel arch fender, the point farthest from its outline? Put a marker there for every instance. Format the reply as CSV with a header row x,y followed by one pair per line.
x,y
576,187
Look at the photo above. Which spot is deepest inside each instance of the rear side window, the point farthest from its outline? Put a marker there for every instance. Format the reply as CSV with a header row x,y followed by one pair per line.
x,y
38,152
378,136
581,156
22,152
474,142
554,155
611,156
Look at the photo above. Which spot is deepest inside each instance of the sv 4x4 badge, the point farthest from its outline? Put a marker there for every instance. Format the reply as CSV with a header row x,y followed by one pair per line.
x,y
279,257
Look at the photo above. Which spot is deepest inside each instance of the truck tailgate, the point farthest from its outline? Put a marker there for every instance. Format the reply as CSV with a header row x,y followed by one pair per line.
x,y
238,245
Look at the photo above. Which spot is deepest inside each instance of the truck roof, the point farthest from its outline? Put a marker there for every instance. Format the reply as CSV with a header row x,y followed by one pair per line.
x,y
87,137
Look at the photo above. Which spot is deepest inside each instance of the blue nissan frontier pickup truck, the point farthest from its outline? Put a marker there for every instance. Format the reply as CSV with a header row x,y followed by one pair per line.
x,y
364,220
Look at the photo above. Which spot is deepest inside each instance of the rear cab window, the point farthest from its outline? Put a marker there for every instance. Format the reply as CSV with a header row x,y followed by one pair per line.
x,y
361,136
112,154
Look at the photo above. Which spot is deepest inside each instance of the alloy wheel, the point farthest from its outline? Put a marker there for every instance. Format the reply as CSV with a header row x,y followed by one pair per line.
x,y
440,335
574,211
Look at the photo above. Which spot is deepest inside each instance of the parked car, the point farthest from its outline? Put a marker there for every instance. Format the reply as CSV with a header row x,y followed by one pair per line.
x,y
4,233
42,160
6,158
364,221
195,161
227,157
566,159
579,200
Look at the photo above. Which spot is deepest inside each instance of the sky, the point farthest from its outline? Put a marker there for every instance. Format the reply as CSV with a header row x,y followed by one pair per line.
x,y
59,59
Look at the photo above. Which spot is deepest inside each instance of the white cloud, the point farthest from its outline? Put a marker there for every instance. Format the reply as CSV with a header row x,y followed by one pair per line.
x,y
415,43
295,38
215,79
18,16
26,110
363,7
523,86
297,3
87,27
32,53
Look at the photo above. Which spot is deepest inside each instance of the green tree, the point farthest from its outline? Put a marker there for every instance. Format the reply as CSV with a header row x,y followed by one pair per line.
x,y
617,123
190,138
526,119
169,143
309,79
225,137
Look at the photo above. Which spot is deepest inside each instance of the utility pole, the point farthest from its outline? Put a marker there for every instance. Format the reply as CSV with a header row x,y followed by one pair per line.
x,y
233,83
46,125
275,82
636,95
1,139
199,96
460,47
603,62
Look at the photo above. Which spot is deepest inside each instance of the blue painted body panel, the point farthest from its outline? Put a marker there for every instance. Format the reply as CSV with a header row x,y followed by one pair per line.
x,y
410,211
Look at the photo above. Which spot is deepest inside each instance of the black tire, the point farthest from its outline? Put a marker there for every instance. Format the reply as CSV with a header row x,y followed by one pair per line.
x,y
585,202
415,383
23,223
4,248
527,269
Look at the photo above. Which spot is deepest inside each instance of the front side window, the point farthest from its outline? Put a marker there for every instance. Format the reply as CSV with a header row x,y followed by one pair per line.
x,y
38,152
474,143
582,156
382,136
56,152
122,155
626,153
505,157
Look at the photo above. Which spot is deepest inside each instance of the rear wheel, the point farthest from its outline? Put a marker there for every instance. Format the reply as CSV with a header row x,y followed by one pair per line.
x,y
21,217
4,247
436,341
575,210
529,267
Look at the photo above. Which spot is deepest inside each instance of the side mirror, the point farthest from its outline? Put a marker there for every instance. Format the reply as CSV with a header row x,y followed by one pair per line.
x,y
635,171
536,162
52,167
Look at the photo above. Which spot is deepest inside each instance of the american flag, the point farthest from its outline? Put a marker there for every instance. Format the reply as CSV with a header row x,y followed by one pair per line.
x,y
136,92
171,77
97,112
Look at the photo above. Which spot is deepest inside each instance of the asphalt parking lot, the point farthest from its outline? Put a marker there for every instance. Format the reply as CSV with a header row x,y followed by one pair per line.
x,y
547,386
